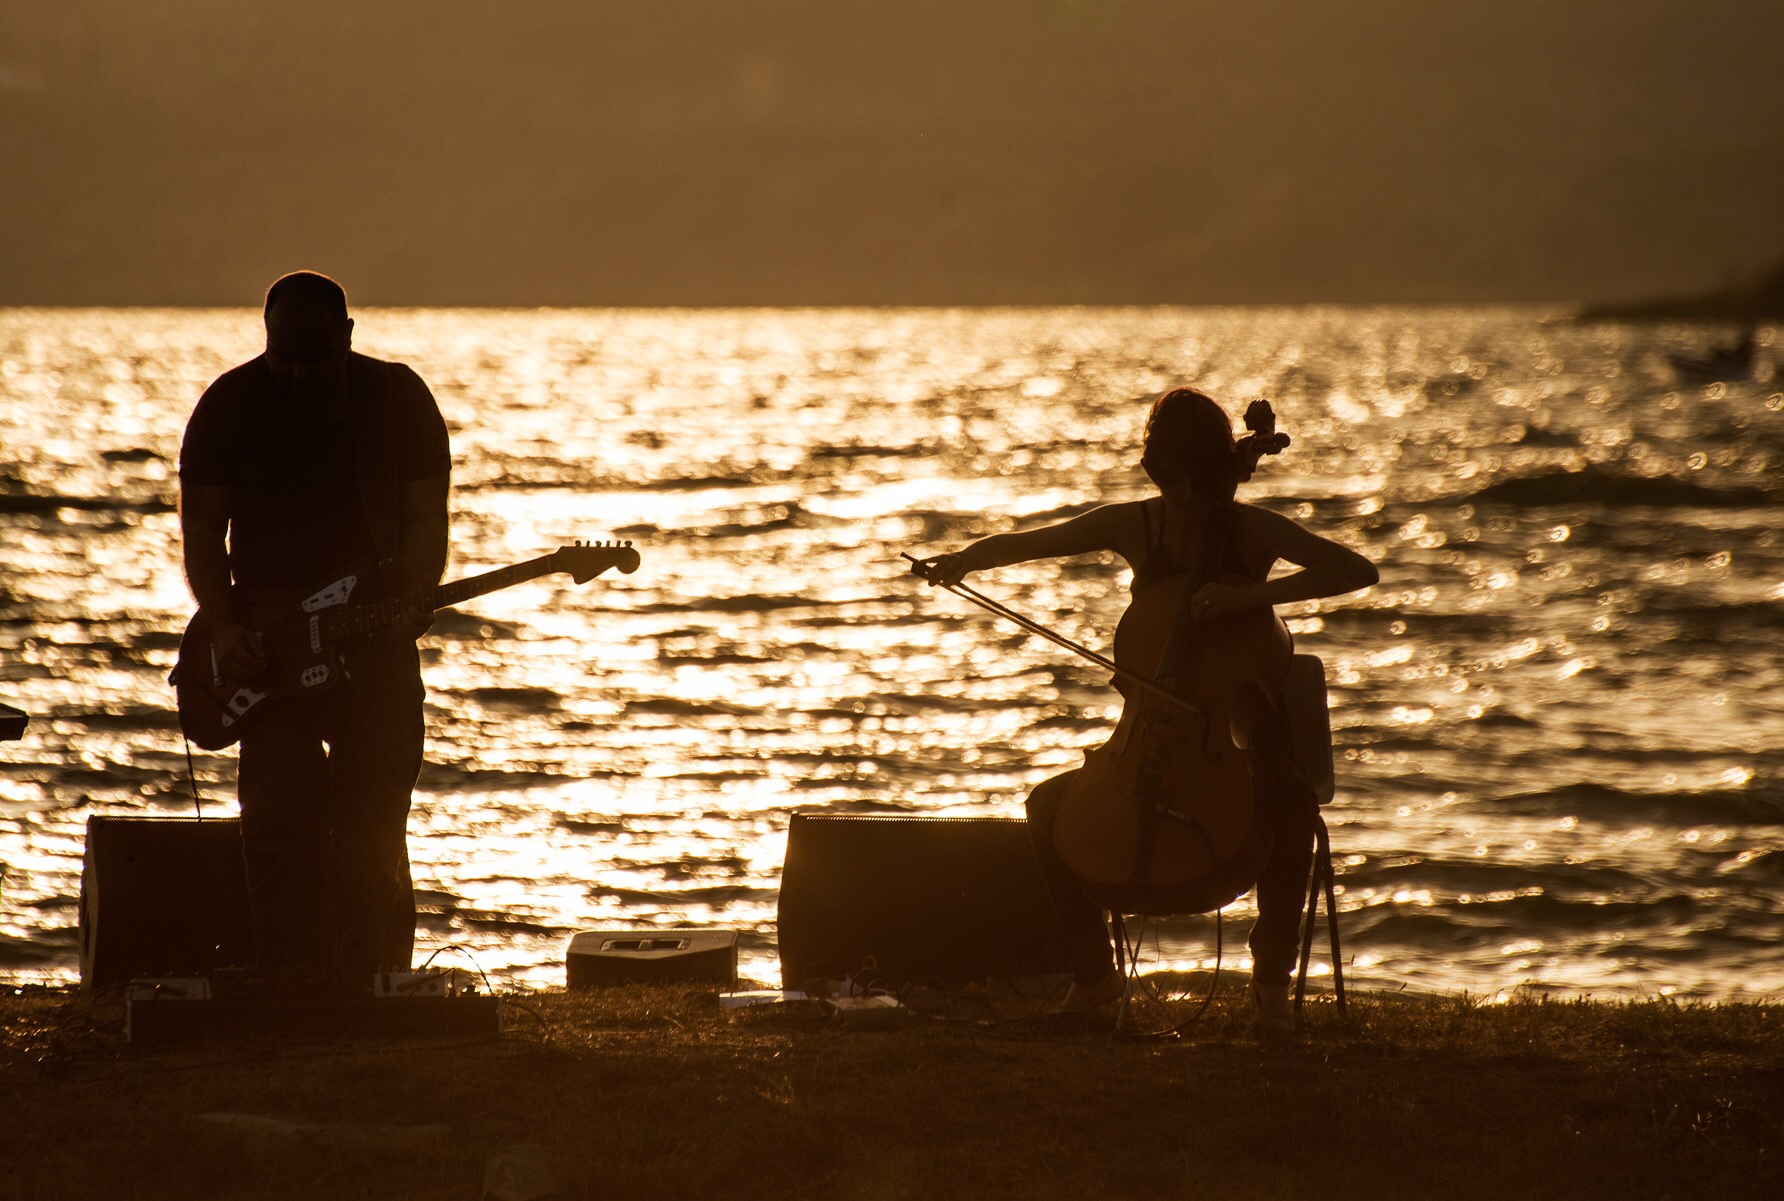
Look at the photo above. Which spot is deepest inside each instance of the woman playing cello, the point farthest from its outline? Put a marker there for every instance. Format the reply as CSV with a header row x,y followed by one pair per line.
x,y
1196,526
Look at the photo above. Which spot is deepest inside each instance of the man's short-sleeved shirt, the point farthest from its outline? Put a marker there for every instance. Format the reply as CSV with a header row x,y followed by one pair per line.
x,y
296,512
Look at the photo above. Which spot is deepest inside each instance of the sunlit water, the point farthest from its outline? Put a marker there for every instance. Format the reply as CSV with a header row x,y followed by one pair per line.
x,y
1558,717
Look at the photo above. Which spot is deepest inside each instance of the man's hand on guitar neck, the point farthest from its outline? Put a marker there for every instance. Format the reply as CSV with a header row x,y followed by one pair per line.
x,y
413,622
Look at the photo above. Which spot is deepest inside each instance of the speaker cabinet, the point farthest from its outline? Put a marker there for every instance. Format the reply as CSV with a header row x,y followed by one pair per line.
x,y
929,900
598,958
162,896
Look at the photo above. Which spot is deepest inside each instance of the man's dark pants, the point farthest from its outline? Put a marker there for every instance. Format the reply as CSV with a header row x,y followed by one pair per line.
x,y
324,785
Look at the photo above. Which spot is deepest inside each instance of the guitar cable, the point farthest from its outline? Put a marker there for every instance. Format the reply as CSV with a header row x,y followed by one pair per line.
x,y
192,779
1130,953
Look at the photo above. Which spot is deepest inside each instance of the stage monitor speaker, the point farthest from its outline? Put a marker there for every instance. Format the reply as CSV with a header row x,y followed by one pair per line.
x,y
930,900
162,896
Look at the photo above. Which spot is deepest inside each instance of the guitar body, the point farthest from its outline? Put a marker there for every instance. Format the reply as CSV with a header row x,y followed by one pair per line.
x,y
216,709
301,637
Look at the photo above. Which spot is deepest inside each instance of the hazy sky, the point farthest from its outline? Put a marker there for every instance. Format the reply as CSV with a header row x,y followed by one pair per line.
x,y
909,151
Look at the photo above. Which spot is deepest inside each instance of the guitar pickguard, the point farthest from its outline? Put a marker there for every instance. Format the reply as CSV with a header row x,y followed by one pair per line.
x,y
240,704
333,596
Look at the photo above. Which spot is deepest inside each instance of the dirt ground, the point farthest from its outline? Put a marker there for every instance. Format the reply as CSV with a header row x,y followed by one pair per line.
x,y
646,1093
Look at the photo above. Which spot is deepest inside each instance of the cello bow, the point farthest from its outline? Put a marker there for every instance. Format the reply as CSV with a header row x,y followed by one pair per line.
x,y
974,596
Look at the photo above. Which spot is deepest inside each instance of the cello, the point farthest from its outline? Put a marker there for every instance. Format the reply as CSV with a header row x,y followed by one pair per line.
x,y
1165,817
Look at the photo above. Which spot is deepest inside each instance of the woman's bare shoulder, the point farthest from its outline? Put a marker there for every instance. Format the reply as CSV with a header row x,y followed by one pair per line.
x,y
1256,518
1117,515
1268,535
1128,523
1283,537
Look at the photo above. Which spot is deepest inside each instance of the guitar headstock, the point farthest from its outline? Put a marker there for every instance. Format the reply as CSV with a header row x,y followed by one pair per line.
x,y
586,560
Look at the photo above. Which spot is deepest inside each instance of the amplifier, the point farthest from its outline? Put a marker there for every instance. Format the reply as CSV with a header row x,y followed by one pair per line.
x,y
929,900
162,896
598,958
168,896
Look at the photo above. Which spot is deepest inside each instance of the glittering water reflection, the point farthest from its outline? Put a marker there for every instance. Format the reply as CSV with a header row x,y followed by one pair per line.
x,y
1555,717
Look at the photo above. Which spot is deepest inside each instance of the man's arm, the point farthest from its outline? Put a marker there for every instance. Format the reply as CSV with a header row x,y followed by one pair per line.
x,y
422,560
204,530
204,534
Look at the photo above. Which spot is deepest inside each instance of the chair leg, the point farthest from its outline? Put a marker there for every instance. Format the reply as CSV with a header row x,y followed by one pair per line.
x,y
1325,854
1321,881
1118,931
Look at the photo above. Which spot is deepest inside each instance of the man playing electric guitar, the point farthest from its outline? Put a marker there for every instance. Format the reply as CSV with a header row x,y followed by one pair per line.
x,y
303,462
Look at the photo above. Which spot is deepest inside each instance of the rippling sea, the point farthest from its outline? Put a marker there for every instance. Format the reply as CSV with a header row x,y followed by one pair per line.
x,y
1559,718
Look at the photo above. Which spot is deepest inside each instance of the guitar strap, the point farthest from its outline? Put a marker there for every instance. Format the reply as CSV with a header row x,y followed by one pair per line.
x,y
374,415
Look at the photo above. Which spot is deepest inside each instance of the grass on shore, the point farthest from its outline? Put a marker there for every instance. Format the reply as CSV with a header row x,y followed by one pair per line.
x,y
646,1093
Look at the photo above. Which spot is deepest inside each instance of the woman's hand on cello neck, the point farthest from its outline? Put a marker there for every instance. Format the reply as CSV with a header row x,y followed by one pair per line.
x,y
1214,601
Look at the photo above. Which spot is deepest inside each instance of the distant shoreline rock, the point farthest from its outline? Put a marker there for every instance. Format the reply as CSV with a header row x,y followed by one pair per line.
x,y
1760,299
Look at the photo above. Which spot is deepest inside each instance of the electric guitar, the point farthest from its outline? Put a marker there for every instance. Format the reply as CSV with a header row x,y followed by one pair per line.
x,y
301,639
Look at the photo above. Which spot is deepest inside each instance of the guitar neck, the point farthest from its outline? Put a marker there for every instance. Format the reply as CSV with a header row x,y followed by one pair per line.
x,y
370,619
